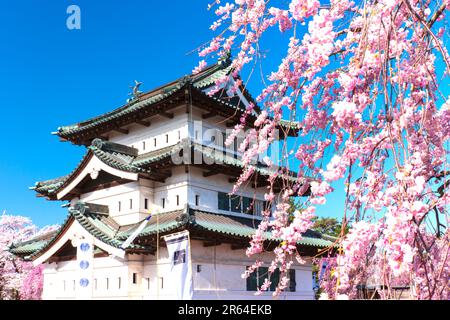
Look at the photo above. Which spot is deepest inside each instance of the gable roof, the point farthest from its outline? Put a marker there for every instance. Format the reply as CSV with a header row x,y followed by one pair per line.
x,y
104,228
126,159
191,87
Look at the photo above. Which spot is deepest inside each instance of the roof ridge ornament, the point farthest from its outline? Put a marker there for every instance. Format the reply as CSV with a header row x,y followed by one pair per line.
x,y
109,146
80,207
98,143
187,217
136,93
185,80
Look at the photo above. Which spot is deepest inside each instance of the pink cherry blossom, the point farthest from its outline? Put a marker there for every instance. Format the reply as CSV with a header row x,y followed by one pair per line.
x,y
368,89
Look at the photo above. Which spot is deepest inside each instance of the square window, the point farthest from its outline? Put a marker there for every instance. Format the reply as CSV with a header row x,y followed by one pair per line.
x,y
223,201
236,205
179,257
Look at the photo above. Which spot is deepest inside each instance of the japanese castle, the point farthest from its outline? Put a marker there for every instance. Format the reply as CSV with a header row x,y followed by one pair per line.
x,y
163,154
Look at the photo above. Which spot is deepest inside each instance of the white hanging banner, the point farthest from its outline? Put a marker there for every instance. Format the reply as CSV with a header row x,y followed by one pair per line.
x,y
178,246
85,261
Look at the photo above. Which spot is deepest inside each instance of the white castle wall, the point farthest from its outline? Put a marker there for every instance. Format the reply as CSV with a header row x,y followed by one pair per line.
x,y
176,129
219,276
181,126
184,185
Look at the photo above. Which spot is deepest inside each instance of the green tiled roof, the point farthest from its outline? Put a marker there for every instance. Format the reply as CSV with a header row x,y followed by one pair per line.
x,y
129,108
29,247
163,222
101,226
229,225
49,185
236,162
117,160
105,229
198,83
211,78
203,79
153,156
216,223
113,155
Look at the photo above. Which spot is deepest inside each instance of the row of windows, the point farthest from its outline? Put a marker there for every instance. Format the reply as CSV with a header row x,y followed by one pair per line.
x,y
144,144
214,139
226,202
163,202
111,284
256,279
239,204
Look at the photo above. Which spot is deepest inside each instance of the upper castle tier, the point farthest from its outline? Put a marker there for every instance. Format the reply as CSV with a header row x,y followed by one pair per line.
x,y
165,150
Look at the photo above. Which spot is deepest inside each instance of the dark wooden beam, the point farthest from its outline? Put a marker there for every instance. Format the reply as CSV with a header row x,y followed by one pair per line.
x,y
211,243
76,191
144,123
160,176
166,114
61,259
100,186
230,124
238,246
211,173
187,99
121,130
209,115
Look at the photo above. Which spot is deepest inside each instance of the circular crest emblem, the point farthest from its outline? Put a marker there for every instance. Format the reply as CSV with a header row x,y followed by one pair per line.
x,y
84,282
84,264
85,246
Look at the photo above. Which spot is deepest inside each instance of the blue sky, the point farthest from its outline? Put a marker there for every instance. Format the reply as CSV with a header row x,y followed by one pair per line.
x,y
52,76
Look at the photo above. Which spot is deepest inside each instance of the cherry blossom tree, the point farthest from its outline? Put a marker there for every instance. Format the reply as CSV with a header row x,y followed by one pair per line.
x,y
367,82
18,278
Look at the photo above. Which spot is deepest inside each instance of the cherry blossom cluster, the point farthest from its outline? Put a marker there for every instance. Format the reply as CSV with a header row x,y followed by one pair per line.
x,y
18,278
364,82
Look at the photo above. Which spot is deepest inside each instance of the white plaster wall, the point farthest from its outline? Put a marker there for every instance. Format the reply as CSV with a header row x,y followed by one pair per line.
x,y
176,129
221,269
201,130
219,276
208,187
183,125
60,279
111,197
184,185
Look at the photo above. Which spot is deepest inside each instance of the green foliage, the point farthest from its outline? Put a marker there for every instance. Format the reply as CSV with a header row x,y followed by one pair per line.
x,y
323,225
